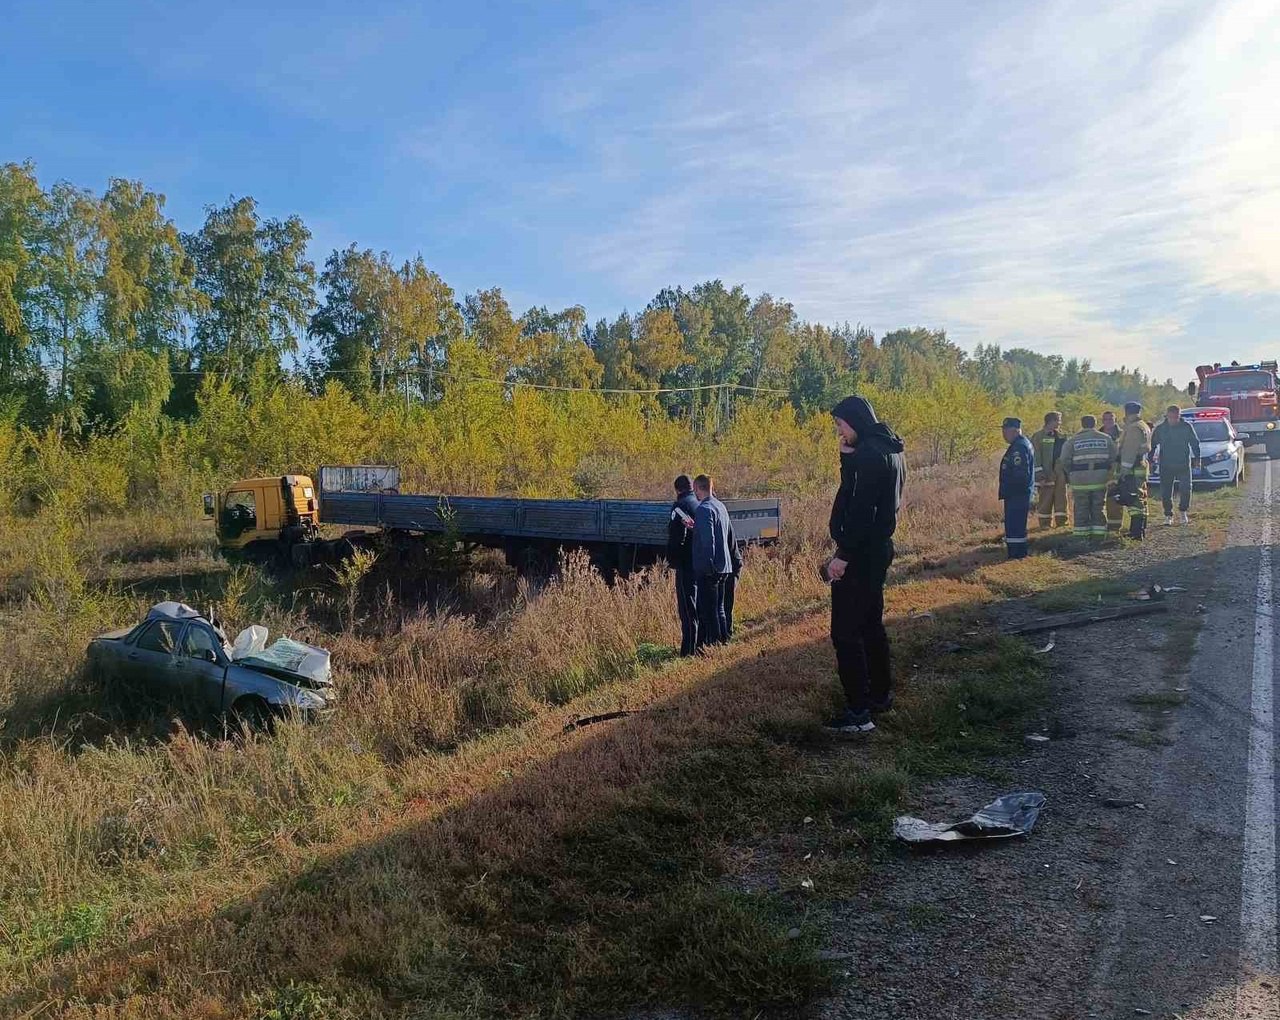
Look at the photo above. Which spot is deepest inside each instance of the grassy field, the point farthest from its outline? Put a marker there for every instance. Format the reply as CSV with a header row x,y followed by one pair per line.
x,y
444,847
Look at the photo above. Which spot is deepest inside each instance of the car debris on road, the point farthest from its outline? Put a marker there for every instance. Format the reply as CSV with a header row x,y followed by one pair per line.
x,y
1014,814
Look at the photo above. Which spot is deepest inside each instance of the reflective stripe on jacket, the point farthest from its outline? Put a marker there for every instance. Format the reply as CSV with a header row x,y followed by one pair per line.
x,y
1048,448
1135,443
1087,459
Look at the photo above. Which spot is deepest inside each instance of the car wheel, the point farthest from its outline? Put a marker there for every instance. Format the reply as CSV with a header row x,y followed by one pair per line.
x,y
253,714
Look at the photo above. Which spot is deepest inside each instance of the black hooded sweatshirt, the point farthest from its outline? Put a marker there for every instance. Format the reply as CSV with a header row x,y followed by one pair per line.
x,y
865,513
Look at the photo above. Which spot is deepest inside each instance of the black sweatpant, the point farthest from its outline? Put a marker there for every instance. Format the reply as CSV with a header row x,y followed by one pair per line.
x,y
711,622
857,631
687,608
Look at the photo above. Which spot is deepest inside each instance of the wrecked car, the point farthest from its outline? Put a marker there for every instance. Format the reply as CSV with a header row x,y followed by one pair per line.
x,y
179,656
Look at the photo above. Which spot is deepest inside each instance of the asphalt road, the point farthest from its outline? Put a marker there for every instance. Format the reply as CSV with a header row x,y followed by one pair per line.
x,y
1165,907
1209,832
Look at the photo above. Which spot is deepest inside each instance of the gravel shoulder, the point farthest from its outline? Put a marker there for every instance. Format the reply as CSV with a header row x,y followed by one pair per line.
x,y
1098,913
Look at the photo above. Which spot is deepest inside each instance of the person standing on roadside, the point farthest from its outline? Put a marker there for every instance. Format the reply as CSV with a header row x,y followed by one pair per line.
x,y
1134,449
712,561
680,560
1017,487
1047,445
1115,512
864,517
1179,448
1087,461
1109,426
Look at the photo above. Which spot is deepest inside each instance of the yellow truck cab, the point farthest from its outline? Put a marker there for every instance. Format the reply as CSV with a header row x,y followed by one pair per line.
x,y
264,515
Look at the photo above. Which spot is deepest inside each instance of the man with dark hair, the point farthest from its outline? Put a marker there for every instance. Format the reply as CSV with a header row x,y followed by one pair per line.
x,y
712,562
1179,448
1017,486
1047,444
680,560
864,517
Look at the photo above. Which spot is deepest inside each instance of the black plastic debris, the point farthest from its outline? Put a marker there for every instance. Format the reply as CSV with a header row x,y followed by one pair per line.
x,y
1014,814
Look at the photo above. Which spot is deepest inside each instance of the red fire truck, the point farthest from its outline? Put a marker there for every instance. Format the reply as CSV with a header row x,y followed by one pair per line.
x,y
1249,393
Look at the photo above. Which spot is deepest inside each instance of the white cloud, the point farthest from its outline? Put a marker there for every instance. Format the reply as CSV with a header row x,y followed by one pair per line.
x,y
1080,178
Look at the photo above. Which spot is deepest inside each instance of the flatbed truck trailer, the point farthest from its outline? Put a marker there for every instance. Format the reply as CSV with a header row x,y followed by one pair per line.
x,y
282,518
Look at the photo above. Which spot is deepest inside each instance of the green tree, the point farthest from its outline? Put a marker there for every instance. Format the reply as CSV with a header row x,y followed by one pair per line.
x,y
559,356
378,321
340,328
614,347
656,349
72,257
22,215
495,331
822,374
773,341
145,296
258,288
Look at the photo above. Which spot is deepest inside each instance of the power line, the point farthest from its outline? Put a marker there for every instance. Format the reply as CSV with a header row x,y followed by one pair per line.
x,y
514,384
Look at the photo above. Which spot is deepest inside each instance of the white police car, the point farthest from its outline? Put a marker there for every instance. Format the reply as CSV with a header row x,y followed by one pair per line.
x,y
1221,449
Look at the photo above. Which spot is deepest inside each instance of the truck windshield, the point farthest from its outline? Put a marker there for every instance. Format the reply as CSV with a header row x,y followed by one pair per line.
x,y
1211,431
1236,382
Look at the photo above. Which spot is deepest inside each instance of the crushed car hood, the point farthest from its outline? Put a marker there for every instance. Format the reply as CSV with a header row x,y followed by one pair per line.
x,y
292,661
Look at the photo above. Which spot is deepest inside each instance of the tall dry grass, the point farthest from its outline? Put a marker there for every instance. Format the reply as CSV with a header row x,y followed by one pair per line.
x,y
114,823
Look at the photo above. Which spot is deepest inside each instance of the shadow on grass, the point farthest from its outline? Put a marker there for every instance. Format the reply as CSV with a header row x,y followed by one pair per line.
x,y
593,879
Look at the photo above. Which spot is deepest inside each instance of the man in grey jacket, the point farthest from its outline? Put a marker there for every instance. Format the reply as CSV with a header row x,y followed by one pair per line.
x,y
1179,448
712,562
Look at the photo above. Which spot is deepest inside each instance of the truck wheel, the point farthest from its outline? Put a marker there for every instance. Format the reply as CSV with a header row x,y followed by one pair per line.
x,y
1273,446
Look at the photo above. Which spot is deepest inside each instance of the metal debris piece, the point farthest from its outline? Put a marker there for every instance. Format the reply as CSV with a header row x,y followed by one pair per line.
x,y
1118,802
1014,814
588,720
1080,619
1050,646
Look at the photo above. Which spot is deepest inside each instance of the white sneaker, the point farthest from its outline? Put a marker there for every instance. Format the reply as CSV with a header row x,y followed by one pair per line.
x,y
1168,520
1186,519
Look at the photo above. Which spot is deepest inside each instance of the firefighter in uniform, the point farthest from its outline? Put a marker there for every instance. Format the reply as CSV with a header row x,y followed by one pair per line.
x,y
1131,456
1115,512
1047,444
1087,461
1017,486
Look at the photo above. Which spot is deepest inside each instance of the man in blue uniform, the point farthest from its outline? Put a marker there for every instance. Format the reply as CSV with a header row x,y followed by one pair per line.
x,y
1017,487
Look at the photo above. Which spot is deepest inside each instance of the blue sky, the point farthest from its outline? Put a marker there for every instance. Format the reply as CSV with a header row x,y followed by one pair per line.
x,y
1100,179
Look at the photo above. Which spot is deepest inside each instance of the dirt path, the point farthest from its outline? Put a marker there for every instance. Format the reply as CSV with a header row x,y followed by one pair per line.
x,y
1109,911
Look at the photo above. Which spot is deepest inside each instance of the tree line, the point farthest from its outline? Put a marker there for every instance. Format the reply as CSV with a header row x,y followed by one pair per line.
x,y
108,308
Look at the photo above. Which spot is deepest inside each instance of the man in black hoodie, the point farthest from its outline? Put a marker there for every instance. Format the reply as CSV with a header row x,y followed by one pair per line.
x,y
680,560
863,520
